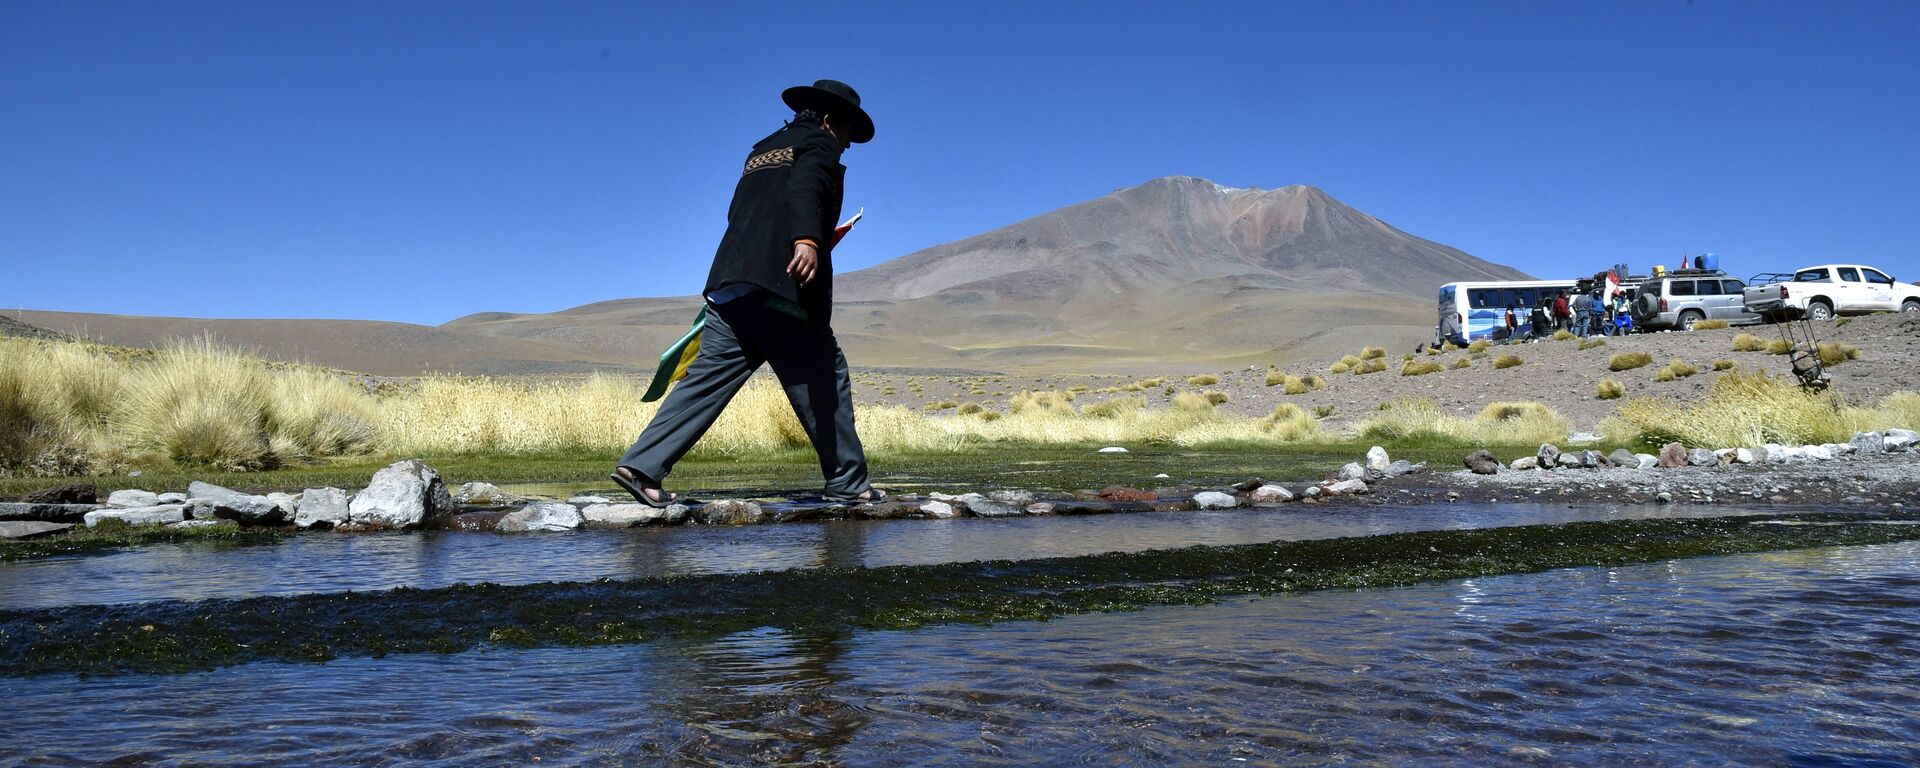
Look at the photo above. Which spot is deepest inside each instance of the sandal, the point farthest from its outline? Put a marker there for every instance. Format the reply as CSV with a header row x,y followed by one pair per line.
x,y
869,496
628,480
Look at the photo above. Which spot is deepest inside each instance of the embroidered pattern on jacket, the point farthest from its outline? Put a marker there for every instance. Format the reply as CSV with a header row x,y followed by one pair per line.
x,y
769,159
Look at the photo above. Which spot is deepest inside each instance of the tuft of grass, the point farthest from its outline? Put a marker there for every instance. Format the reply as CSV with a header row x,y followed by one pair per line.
x,y
1723,365
1214,398
1275,378
1202,381
1563,335
1755,408
1592,343
1627,361
1338,368
1747,342
1664,374
1479,346
1833,353
1779,346
1322,411
1113,408
1421,368
1503,423
969,409
1370,353
1298,386
1290,423
1464,362
1610,389
1374,365
1681,368
1710,325
1507,361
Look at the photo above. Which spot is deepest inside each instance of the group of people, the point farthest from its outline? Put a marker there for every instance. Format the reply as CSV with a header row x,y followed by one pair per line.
x,y
1583,314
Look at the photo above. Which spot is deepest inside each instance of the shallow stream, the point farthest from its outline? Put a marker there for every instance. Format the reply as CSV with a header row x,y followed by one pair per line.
x,y
1803,657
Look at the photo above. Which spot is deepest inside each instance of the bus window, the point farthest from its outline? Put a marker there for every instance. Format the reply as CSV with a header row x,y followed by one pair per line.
x,y
1482,298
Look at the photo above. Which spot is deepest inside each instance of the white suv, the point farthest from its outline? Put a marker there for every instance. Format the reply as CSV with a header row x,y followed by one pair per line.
x,y
1821,292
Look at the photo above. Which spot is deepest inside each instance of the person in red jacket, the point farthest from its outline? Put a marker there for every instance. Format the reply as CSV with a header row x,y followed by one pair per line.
x,y
1562,314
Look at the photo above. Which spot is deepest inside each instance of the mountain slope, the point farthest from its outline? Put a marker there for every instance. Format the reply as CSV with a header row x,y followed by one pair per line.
x,y
1175,273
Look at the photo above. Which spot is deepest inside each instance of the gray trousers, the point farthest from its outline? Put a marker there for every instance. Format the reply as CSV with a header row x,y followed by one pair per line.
x,y
740,335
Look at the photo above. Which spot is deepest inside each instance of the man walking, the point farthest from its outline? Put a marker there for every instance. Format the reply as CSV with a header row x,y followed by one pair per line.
x,y
1582,308
769,297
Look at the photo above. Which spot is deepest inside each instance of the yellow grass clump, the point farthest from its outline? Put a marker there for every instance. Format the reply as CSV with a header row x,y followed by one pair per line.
x,y
969,409
1627,361
1289,423
1747,342
1833,353
1723,365
940,405
1114,408
1369,353
1501,423
1507,361
1779,346
1710,325
1202,381
1564,335
1591,343
1339,368
1421,367
1275,378
1746,409
1464,362
1373,365
1610,389
1479,346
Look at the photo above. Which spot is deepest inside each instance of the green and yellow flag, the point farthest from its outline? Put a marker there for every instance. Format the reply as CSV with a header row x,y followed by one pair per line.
x,y
674,361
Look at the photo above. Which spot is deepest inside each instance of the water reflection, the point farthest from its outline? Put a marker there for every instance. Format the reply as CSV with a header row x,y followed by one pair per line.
x,y
328,562
1790,658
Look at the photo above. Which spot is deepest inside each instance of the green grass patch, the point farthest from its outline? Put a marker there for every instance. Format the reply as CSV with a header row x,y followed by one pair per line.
x,y
1627,361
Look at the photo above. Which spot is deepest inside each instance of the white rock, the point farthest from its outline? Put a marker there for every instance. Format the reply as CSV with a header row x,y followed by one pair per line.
x,y
173,498
154,515
981,506
939,509
1647,460
132,498
1901,439
581,501
1040,508
1815,452
200,523
1270,494
404,494
1525,462
1743,455
319,506
1841,449
1869,443
1162,476
540,516
632,515
1346,487
1581,438
1214,500
1313,492
483,494
289,503
1351,471
232,505
1377,459
1113,449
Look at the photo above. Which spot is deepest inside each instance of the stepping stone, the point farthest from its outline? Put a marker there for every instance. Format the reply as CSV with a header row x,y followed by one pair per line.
x,y
27,529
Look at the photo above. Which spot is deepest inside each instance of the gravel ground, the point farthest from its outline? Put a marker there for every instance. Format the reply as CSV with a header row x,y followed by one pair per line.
x,y
1554,372
1884,482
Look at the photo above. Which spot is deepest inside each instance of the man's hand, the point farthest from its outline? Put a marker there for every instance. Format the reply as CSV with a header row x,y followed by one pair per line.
x,y
806,260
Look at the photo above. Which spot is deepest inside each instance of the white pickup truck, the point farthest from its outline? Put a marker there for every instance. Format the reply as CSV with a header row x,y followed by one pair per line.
x,y
1821,292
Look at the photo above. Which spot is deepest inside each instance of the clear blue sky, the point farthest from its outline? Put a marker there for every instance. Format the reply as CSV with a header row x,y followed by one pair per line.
x,y
418,161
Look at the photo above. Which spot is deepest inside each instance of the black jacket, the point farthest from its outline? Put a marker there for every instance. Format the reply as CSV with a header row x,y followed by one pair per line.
x,y
790,188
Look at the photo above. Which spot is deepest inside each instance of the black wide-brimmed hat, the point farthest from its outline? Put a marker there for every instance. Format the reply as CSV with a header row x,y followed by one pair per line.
x,y
835,99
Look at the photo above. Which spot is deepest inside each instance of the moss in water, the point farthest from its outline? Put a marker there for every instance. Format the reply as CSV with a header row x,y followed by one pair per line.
x,y
183,636
111,535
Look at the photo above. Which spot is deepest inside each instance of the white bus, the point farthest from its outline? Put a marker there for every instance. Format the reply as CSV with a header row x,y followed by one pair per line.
x,y
1474,311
